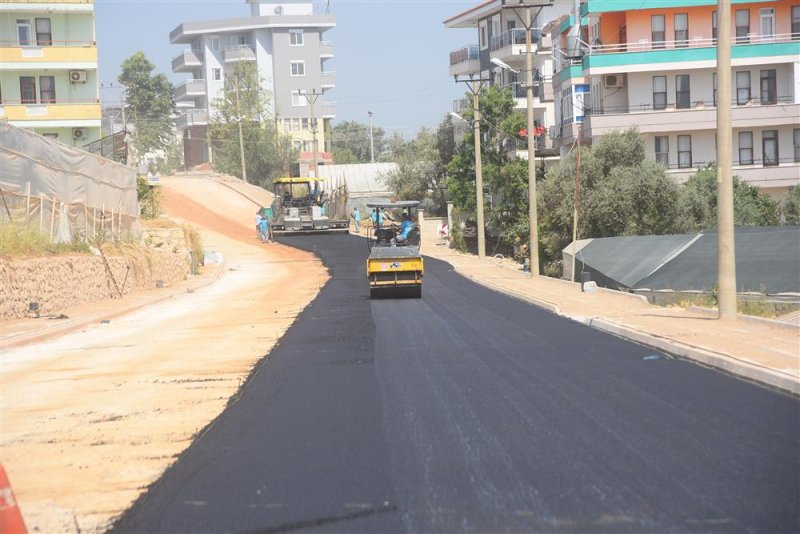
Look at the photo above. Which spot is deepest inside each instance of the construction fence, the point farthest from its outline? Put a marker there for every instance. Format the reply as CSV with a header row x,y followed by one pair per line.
x,y
69,194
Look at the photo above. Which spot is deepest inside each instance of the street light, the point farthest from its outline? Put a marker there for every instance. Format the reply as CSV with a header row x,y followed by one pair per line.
x,y
503,65
371,144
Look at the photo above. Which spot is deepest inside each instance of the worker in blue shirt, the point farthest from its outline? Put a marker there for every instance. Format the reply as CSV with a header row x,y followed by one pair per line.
x,y
379,217
405,228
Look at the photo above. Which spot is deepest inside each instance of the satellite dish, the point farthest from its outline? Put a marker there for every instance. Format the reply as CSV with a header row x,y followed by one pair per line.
x,y
279,10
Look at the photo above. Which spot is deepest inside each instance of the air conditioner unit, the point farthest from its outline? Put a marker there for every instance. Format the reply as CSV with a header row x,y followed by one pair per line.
x,y
613,80
77,76
78,133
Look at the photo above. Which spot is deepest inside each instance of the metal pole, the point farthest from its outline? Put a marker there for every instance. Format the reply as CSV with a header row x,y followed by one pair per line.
x,y
241,140
478,168
532,215
726,256
371,144
314,133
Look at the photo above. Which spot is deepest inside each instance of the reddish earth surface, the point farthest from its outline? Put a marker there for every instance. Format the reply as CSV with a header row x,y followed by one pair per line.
x,y
91,419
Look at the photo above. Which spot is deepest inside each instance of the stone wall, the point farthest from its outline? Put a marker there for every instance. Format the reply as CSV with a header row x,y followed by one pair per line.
x,y
59,282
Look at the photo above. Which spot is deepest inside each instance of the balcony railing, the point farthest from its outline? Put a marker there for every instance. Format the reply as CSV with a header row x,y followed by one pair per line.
x,y
46,43
326,48
86,109
646,45
695,104
755,163
195,117
239,53
190,89
463,54
187,60
513,37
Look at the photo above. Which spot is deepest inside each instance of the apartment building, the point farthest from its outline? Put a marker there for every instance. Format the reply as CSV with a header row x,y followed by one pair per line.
x,y
501,35
48,69
655,68
284,39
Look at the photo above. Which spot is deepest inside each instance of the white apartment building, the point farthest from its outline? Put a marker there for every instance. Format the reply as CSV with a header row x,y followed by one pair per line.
x,y
655,68
48,69
284,39
501,35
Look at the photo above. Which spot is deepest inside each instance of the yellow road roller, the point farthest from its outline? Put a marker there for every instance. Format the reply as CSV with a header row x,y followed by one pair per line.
x,y
394,266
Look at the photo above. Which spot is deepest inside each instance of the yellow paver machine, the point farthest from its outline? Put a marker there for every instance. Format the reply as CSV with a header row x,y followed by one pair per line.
x,y
394,266
305,206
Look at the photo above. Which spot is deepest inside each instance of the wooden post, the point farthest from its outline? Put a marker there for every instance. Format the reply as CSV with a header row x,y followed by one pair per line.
x,y
85,224
27,199
112,224
94,222
103,220
41,213
53,219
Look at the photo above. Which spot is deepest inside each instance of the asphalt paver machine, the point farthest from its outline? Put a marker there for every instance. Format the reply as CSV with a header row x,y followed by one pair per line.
x,y
395,265
304,205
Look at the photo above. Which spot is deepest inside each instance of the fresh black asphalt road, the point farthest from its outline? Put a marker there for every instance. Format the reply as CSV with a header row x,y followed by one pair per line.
x,y
468,411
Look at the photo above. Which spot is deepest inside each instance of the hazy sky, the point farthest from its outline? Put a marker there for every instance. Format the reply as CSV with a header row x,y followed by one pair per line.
x,y
391,55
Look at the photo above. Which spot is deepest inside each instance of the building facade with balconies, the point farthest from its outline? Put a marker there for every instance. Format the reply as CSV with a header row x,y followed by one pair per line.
x,y
48,69
284,39
501,35
655,69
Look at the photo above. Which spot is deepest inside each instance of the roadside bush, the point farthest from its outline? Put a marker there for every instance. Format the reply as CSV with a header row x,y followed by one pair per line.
x,y
149,198
27,240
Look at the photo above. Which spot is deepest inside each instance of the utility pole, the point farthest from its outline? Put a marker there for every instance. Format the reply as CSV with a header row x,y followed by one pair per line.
x,y
533,216
474,85
312,99
726,255
239,120
371,144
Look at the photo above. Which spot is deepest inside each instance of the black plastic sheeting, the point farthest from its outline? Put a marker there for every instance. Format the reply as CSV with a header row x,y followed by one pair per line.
x,y
767,260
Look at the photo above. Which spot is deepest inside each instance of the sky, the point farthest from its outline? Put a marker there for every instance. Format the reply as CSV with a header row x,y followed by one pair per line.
x,y
391,56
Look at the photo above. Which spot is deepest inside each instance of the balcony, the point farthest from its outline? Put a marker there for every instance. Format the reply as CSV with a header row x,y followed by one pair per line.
x,y
626,57
190,89
328,79
465,60
233,54
461,105
326,50
510,45
187,61
195,117
701,116
74,54
328,110
785,174
70,113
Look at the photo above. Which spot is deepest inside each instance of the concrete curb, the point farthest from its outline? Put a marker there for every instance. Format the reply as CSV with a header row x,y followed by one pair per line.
x,y
748,318
724,362
48,332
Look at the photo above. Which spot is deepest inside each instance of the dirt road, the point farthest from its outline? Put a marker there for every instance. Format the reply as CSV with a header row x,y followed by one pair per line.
x,y
92,418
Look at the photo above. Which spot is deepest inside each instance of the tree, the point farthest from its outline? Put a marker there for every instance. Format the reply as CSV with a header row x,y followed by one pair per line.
x,y
354,137
698,203
267,153
418,167
622,193
791,206
343,156
149,104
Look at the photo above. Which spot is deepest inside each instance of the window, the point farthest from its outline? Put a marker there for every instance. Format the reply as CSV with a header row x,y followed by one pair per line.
x,y
213,44
239,40
298,99
304,125
47,89
662,150
43,35
714,22
742,25
24,32
50,136
659,92
682,94
27,89
769,89
767,23
743,87
684,151
681,29
796,134
216,73
796,23
298,145
714,88
769,146
296,38
298,68
745,148
511,24
657,31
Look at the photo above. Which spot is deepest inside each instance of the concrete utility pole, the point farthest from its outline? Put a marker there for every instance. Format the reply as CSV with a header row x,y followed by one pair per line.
x,y
533,216
241,139
312,99
474,85
726,255
371,144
